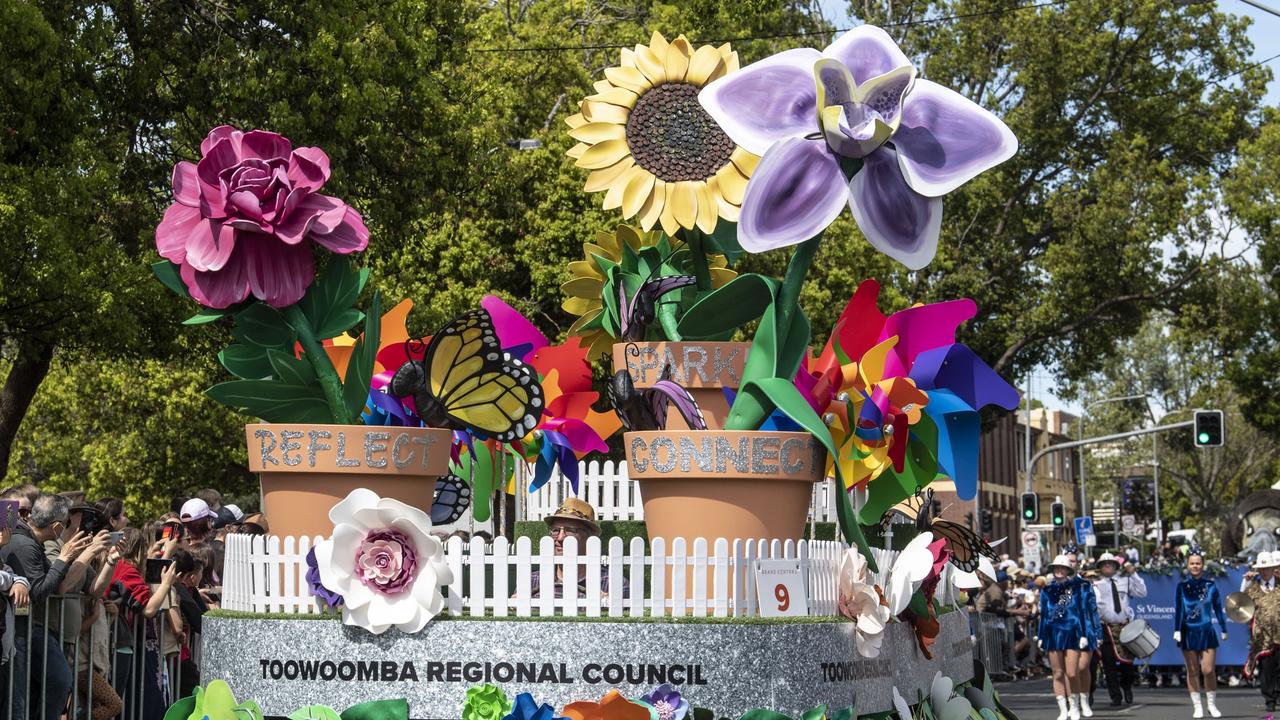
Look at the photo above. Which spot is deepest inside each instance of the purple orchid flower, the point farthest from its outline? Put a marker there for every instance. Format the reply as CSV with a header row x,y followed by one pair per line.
x,y
805,111
668,703
317,588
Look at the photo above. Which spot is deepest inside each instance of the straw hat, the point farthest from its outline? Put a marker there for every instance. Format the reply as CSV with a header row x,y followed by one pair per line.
x,y
575,509
1063,561
257,519
1266,560
1109,558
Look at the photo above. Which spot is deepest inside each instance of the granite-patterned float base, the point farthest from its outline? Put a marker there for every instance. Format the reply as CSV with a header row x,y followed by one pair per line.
x,y
731,667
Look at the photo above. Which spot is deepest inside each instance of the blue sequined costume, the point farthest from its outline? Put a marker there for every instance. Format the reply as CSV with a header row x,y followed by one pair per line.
x,y
1068,612
1191,616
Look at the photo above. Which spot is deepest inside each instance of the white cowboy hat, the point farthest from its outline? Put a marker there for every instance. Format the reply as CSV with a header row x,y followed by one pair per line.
x,y
1109,558
1266,560
1062,561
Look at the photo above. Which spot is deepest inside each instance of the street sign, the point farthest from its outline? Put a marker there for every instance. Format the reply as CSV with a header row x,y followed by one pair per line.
x,y
1031,559
1084,528
1030,539
1129,524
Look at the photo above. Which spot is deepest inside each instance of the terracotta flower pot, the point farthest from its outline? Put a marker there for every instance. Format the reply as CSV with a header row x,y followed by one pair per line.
x,y
702,368
306,469
725,484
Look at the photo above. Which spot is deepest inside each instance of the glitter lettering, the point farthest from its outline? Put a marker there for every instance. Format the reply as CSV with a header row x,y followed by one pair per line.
x,y
267,457
728,365
638,463
286,444
426,441
764,455
672,456
375,442
342,460
314,445
725,452
692,366
792,463
401,461
702,454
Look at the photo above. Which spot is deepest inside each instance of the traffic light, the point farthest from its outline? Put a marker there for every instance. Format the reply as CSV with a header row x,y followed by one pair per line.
x,y
987,523
1058,513
1209,427
1030,507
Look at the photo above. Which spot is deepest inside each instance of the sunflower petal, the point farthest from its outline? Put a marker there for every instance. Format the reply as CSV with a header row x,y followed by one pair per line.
x,y
676,62
628,77
652,208
602,86
720,276
732,185
668,217
650,65
602,155
577,305
609,242
705,61
658,43
621,97
586,318
617,191
636,193
707,213
604,112
599,132
745,162
583,287
576,151
626,59
628,235
585,269
600,179
575,120
685,202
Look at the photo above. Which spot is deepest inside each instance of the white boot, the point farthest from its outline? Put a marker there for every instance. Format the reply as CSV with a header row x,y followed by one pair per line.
x,y
1213,708
1085,710
1062,707
1196,710
1073,708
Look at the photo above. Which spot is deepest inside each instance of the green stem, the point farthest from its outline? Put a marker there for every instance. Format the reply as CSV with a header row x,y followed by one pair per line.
x,y
697,250
314,352
789,294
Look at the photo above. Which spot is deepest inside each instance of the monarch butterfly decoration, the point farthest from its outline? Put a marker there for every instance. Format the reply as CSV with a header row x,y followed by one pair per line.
x,y
453,497
465,381
965,545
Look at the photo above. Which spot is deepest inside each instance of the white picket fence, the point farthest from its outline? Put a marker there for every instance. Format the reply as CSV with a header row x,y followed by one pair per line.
x,y
617,497
268,574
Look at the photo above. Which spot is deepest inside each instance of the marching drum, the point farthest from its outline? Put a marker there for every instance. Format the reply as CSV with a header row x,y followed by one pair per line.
x,y
1140,639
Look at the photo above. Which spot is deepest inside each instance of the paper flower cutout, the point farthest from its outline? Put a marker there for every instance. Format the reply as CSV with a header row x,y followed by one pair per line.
x,y
245,216
807,112
861,601
315,587
213,702
909,571
653,149
945,703
485,702
900,705
667,702
613,706
526,708
384,562
586,297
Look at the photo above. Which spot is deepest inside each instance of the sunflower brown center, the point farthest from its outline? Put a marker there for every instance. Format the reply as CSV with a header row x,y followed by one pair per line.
x,y
671,136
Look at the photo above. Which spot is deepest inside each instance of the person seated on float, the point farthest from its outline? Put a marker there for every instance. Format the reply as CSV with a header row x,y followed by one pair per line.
x,y
574,518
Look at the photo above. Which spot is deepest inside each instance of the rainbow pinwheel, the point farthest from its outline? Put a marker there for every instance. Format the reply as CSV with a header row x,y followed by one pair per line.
x,y
902,397
569,428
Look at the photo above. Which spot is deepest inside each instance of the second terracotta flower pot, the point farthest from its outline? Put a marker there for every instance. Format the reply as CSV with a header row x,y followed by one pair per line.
x,y
705,369
725,484
304,470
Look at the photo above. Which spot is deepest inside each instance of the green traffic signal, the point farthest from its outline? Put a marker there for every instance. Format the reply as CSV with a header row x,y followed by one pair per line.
x,y
1204,438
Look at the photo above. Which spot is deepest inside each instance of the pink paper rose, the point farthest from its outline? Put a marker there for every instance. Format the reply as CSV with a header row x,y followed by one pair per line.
x,y
386,561
245,216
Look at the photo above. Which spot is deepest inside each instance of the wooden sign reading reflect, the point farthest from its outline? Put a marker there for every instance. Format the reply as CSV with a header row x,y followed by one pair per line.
x,y
285,447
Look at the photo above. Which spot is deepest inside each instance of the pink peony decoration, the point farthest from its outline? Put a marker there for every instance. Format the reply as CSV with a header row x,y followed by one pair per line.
x,y
386,561
244,217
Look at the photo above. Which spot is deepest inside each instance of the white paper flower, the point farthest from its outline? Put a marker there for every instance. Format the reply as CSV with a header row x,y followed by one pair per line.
x,y
909,570
900,705
384,562
859,600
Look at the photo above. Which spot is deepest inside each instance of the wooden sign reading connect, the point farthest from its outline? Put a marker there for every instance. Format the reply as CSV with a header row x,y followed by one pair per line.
x,y
703,453
390,450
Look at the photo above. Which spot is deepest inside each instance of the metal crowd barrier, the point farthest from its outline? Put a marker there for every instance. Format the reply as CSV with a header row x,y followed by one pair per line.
x,y
127,668
995,635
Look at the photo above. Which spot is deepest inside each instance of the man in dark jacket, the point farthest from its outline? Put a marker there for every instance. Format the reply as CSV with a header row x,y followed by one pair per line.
x,y
25,554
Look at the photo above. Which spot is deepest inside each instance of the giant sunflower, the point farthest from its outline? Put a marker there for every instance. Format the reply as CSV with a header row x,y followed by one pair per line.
x,y
651,147
585,291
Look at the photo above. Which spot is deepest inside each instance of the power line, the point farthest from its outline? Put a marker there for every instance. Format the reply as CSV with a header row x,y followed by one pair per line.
x,y
780,36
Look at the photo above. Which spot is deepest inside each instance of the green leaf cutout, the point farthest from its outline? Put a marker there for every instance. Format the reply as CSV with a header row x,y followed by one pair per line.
x,y
315,712
273,401
290,369
262,325
396,709
246,361
169,274
729,307
328,302
355,386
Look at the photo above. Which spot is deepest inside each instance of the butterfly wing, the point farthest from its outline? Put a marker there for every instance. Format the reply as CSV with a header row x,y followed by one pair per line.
x,y
453,497
967,547
666,393
477,385
913,509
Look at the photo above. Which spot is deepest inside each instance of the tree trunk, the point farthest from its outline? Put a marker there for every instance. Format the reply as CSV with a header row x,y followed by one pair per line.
x,y
30,366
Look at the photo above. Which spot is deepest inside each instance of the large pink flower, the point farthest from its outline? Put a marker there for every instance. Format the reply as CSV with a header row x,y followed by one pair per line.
x,y
244,217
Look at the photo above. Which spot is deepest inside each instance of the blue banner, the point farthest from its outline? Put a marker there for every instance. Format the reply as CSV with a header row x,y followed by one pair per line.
x,y
1157,609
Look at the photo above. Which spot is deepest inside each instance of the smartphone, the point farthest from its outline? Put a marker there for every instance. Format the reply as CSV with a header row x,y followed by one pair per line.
x,y
171,531
155,569
115,536
8,514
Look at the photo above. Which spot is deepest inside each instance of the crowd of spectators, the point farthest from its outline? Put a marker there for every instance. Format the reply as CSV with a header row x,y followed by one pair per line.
x,y
100,618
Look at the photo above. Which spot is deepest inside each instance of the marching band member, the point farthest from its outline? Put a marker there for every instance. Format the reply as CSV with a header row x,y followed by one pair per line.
x,y
1069,632
1264,641
1196,602
1113,591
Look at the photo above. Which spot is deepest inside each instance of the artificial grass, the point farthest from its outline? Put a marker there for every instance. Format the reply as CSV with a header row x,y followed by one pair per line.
x,y
535,530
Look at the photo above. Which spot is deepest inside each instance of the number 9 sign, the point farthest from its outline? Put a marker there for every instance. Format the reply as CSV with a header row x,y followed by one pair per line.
x,y
780,588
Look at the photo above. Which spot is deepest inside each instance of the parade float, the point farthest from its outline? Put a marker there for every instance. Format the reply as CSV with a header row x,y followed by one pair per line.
x,y
724,609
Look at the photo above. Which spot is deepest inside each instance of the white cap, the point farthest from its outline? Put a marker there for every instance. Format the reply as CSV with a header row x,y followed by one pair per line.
x,y
236,512
1266,560
195,509
1062,561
